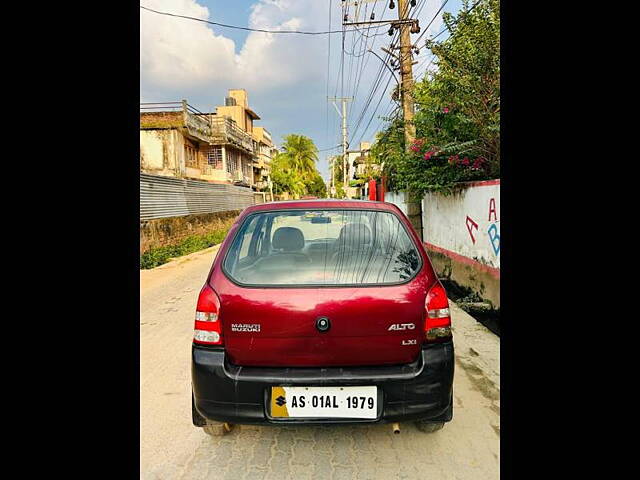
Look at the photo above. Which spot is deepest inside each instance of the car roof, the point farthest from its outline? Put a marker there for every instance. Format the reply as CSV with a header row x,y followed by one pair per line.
x,y
320,204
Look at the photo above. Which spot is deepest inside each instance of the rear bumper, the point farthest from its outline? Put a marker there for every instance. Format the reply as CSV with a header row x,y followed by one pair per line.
x,y
421,390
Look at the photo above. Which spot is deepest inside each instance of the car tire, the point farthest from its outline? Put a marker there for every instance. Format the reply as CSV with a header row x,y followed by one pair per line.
x,y
210,427
198,420
429,427
217,429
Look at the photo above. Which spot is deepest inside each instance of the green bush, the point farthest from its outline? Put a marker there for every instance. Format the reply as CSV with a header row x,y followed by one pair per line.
x,y
160,255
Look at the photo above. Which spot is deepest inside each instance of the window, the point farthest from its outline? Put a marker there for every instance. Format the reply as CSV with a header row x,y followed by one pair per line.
x,y
214,156
322,247
247,168
190,156
232,160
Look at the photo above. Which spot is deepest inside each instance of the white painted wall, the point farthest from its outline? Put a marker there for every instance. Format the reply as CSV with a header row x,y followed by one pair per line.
x,y
467,222
151,149
162,152
398,199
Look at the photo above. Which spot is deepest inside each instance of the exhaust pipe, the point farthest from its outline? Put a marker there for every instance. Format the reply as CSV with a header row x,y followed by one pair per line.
x,y
227,427
396,428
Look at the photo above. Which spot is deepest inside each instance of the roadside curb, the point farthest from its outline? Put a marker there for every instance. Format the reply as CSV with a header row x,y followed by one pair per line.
x,y
154,277
185,258
477,351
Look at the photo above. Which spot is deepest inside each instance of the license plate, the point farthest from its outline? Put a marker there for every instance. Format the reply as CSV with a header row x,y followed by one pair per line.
x,y
324,402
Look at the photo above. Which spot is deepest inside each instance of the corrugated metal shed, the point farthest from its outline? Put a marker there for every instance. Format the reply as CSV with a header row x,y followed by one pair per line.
x,y
162,197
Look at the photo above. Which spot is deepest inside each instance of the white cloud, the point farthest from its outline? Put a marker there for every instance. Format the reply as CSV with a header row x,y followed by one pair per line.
x,y
184,55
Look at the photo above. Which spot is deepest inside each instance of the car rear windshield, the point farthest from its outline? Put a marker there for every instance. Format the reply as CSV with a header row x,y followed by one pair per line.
x,y
322,247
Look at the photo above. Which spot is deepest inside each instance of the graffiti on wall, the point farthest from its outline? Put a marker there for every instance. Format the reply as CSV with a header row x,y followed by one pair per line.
x,y
470,226
493,230
465,224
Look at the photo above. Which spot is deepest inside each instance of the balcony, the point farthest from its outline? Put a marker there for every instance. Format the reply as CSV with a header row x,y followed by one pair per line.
x,y
205,127
225,131
176,115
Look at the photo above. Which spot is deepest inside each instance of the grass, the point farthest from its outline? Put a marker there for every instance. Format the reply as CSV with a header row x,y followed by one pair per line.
x,y
160,255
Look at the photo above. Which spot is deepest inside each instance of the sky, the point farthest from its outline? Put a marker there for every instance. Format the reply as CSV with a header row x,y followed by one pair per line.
x,y
285,75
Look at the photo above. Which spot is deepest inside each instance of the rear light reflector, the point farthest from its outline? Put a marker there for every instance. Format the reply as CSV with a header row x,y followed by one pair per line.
x,y
437,324
204,336
208,330
206,317
438,313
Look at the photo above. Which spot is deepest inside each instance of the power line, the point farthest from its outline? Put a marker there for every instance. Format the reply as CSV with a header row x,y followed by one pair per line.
x,y
237,27
375,85
381,71
361,118
432,58
353,47
366,61
440,33
331,148
434,17
328,73
455,21
360,61
374,88
436,36
418,9
374,112
391,112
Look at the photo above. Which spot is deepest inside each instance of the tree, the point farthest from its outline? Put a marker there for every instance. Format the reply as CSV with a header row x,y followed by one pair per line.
x,y
458,109
317,187
301,153
336,171
389,148
284,177
294,170
461,101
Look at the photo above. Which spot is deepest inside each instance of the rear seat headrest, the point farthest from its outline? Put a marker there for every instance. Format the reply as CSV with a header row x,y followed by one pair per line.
x,y
354,235
288,239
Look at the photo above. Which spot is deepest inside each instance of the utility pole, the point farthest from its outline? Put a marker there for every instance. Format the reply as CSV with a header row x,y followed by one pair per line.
x,y
406,72
414,203
345,141
330,164
407,26
333,186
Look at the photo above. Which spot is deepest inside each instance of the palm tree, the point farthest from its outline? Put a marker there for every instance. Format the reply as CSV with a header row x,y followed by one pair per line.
x,y
301,153
285,177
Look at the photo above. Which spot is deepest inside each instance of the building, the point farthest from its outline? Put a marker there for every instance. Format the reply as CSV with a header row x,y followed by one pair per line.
x,y
266,151
223,146
357,160
357,169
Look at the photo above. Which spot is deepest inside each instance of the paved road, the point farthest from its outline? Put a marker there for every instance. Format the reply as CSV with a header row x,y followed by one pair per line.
x,y
467,448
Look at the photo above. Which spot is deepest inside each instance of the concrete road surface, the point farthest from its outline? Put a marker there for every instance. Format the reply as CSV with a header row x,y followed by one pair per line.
x,y
171,447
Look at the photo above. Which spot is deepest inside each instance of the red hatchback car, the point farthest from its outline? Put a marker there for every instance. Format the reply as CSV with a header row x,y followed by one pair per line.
x,y
322,311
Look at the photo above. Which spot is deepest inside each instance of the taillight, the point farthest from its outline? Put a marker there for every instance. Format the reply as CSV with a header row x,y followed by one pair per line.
x,y
208,330
437,324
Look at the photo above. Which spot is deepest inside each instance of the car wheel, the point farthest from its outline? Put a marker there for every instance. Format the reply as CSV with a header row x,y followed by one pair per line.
x,y
217,429
429,427
198,420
